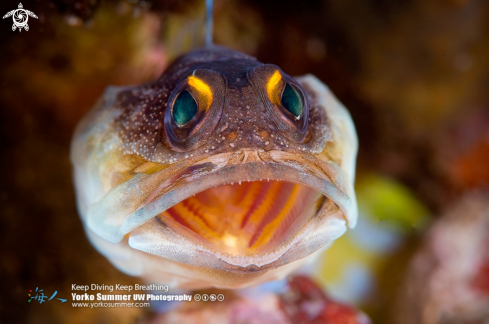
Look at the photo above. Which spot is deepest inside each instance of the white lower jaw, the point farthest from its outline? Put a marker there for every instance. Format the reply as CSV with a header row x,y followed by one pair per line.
x,y
155,269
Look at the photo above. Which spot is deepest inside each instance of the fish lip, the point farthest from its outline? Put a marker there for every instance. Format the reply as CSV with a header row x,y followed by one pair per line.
x,y
226,168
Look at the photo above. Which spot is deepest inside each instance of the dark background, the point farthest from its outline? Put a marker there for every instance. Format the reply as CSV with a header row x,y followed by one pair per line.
x,y
413,73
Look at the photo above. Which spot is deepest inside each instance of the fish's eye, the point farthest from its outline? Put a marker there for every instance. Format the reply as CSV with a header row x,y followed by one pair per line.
x,y
292,101
285,101
194,109
184,108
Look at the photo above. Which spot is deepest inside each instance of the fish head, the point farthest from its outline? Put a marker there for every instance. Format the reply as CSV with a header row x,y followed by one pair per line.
x,y
225,172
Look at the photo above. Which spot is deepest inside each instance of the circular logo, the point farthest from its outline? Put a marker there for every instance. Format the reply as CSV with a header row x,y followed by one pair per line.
x,y
205,297
220,297
20,17
212,297
197,297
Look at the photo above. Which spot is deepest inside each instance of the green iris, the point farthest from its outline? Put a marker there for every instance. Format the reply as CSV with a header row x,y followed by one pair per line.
x,y
184,108
292,101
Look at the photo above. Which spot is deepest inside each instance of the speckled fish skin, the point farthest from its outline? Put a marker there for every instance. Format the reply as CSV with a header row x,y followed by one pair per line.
x,y
132,163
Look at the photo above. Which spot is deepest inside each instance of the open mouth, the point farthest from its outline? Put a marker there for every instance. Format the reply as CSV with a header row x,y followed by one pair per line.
x,y
241,210
245,217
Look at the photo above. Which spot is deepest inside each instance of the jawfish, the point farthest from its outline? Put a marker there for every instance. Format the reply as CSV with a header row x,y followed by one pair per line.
x,y
225,172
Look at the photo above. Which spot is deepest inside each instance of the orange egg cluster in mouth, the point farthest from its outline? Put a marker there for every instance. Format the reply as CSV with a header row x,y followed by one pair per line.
x,y
246,217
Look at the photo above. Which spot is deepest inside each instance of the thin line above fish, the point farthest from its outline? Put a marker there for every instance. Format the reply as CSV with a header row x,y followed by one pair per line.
x,y
225,172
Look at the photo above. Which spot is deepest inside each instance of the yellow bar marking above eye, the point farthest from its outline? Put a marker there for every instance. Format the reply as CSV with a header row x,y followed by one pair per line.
x,y
272,86
202,88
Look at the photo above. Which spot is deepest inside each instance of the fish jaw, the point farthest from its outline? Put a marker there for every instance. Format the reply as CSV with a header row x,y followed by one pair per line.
x,y
159,251
120,213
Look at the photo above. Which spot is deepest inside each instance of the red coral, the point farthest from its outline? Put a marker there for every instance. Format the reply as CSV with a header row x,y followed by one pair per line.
x,y
305,302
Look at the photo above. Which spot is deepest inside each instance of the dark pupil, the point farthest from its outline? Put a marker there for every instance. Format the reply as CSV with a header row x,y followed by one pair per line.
x,y
291,101
184,108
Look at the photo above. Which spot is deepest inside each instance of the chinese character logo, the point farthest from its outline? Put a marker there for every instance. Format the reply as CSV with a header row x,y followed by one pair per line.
x,y
20,17
41,298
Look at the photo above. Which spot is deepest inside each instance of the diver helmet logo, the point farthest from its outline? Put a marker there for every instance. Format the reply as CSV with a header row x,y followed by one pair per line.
x,y
20,17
